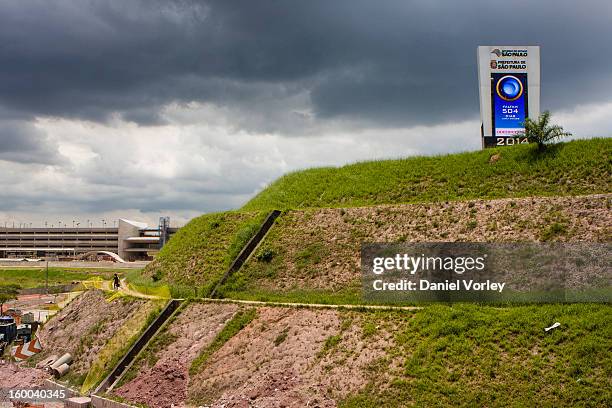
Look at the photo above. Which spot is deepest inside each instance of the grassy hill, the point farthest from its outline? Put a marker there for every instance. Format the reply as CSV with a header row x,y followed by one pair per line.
x,y
574,168
313,255
441,355
465,355
198,255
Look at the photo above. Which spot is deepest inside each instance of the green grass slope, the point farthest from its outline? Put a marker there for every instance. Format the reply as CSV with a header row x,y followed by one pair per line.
x,y
312,255
200,252
574,168
475,356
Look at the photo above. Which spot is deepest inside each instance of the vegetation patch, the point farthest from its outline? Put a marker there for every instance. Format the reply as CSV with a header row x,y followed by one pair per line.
x,y
350,296
240,320
316,252
575,168
122,340
469,355
281,337
199,253
330,343
38,277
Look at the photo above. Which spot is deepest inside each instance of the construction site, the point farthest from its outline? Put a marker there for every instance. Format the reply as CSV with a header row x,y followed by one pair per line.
x,y
263,308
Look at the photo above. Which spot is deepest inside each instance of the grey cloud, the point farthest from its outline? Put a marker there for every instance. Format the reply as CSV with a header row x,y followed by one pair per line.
x,y
390,63
21,142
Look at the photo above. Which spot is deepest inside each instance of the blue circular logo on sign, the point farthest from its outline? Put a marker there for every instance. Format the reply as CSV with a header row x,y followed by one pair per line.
x,y
509,88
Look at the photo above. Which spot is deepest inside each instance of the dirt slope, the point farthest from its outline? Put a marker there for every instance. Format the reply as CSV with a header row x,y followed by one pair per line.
x,y
14,376
284,357
290,358
83,327
163,377
320,248
465,355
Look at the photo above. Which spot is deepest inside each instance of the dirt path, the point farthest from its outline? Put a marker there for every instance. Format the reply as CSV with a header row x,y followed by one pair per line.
x,y
128,291
125,289
310,305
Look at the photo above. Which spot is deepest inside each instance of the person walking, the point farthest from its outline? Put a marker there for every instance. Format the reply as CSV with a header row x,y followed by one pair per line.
x,y
116,282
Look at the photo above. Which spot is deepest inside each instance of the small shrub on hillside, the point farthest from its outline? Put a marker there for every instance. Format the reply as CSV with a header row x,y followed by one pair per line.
x,y
330,343
552,231
266,255
281,337
311,255
157,275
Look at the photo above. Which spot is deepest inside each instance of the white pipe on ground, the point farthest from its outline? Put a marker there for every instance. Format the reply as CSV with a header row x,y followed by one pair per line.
x,y
61,370
65,359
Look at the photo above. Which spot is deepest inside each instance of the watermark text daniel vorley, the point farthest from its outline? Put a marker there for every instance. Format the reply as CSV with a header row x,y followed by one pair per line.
x,y
424,284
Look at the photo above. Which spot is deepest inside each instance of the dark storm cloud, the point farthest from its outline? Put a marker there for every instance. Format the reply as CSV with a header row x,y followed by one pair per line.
x,y
397,63
21,142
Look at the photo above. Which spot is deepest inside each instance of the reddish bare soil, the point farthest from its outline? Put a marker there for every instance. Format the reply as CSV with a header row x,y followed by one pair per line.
x,y
285,358
13,376
165,382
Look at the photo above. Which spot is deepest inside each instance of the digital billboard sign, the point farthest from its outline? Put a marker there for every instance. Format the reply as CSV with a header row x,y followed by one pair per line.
x,y
509,83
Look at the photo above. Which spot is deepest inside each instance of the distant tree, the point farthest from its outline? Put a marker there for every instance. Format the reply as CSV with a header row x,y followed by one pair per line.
x,y
5,297
540,131
7,293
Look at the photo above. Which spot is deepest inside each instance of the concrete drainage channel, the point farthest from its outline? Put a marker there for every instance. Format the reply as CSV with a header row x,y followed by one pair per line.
x,y
125,363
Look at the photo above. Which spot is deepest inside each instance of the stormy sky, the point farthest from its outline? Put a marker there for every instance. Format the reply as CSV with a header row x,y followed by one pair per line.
x,y
139,108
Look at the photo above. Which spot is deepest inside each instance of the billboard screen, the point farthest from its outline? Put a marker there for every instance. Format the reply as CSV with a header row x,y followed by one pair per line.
x,y
509,84
510,107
